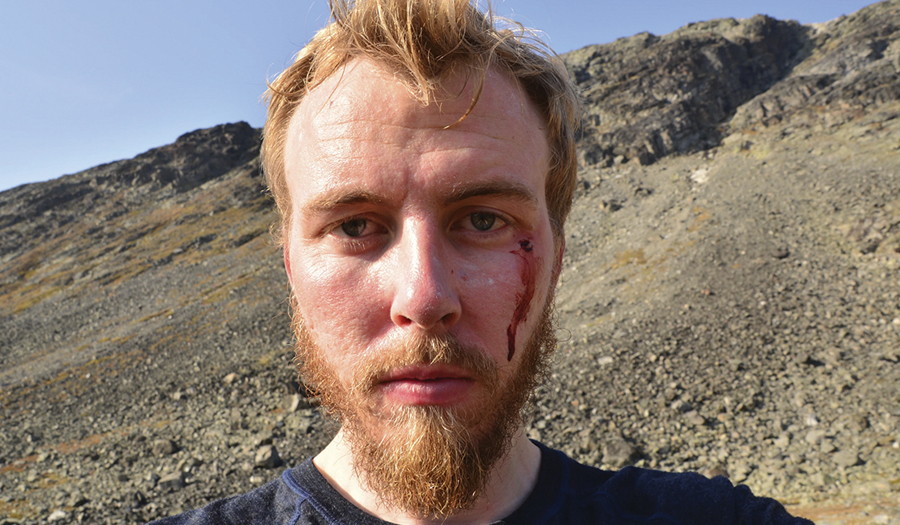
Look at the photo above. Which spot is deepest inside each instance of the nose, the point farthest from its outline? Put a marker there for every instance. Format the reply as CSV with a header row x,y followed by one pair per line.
x,y
424,294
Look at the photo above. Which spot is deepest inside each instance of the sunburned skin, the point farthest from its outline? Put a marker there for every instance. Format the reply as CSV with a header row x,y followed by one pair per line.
x,y
523,300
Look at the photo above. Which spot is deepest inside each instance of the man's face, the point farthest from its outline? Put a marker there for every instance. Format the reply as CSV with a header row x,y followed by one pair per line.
x,y
421,257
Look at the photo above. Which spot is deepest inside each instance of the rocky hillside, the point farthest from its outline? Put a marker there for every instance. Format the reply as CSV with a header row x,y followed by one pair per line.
x,y
730,303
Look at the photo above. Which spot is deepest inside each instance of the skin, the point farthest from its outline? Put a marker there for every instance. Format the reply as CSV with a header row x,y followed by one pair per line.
x,y
401,227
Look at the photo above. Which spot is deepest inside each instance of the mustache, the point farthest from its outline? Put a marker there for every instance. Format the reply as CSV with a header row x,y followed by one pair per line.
x,y
443,349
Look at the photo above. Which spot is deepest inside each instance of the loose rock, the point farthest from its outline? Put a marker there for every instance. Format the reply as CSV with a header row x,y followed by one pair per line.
x,y
267,457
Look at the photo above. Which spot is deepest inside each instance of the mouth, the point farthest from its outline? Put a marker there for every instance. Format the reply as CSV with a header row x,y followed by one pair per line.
x,y
426,385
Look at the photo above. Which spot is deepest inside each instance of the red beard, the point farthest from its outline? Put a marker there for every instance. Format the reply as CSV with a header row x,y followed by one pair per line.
x,y
429,461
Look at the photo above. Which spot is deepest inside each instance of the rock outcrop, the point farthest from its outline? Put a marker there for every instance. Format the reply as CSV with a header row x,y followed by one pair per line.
x,y
648,97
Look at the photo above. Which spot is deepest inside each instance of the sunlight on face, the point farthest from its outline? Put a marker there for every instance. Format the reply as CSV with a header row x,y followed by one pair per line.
x,y
421,262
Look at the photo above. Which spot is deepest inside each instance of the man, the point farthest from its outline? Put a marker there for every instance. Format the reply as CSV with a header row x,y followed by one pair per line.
x,y
423,164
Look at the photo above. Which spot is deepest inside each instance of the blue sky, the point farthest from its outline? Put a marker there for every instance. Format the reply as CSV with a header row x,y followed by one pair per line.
x,y
83,83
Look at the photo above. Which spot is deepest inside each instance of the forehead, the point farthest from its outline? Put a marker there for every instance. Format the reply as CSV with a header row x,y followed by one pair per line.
x,y
363,85
363,115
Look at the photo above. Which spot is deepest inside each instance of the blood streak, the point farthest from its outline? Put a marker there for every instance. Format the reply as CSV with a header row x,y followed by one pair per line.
x,y
523,300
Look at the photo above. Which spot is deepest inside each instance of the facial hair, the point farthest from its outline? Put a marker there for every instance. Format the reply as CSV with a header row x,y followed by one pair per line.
x,y
429,461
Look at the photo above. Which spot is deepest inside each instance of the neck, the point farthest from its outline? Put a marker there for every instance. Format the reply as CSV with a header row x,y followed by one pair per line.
x,y
510,482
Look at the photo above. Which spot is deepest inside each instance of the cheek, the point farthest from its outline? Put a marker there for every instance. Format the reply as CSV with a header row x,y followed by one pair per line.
x,y
337,301
474,277
499,295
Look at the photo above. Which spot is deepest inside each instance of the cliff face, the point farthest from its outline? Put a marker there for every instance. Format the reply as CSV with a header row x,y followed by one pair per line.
x,y
648,97
730,301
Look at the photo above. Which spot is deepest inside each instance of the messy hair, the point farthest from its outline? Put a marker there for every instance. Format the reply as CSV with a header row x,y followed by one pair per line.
x,y
424,42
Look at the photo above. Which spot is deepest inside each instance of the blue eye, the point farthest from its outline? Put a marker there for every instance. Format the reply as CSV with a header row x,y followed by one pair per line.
x,y
483,221
354,227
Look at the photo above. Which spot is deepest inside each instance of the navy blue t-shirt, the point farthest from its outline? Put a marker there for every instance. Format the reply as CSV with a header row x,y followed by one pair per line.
x,y
566,492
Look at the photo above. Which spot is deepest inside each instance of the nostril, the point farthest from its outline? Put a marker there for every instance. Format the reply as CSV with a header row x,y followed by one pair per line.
x,y
403,320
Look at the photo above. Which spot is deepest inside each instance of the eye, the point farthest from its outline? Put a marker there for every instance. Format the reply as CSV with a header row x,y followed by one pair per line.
x,y
483,221
357,228
354,227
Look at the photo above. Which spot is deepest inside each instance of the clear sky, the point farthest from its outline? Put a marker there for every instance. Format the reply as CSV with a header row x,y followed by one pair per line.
x,y
83,83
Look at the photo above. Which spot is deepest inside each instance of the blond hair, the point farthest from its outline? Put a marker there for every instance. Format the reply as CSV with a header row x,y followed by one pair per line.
x,y
425,42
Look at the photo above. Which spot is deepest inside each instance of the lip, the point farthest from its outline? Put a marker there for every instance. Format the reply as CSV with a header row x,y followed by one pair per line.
x,y
426,385
425,373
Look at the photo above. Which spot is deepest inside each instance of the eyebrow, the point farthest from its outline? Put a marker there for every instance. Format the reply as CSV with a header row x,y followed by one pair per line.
x,y
342,197
339,197
507,189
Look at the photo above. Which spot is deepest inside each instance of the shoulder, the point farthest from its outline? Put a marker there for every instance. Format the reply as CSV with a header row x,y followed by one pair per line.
x,y
633,495
276,502
690,498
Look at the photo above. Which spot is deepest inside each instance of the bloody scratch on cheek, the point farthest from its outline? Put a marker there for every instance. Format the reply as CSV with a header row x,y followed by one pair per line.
x,y
523,300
